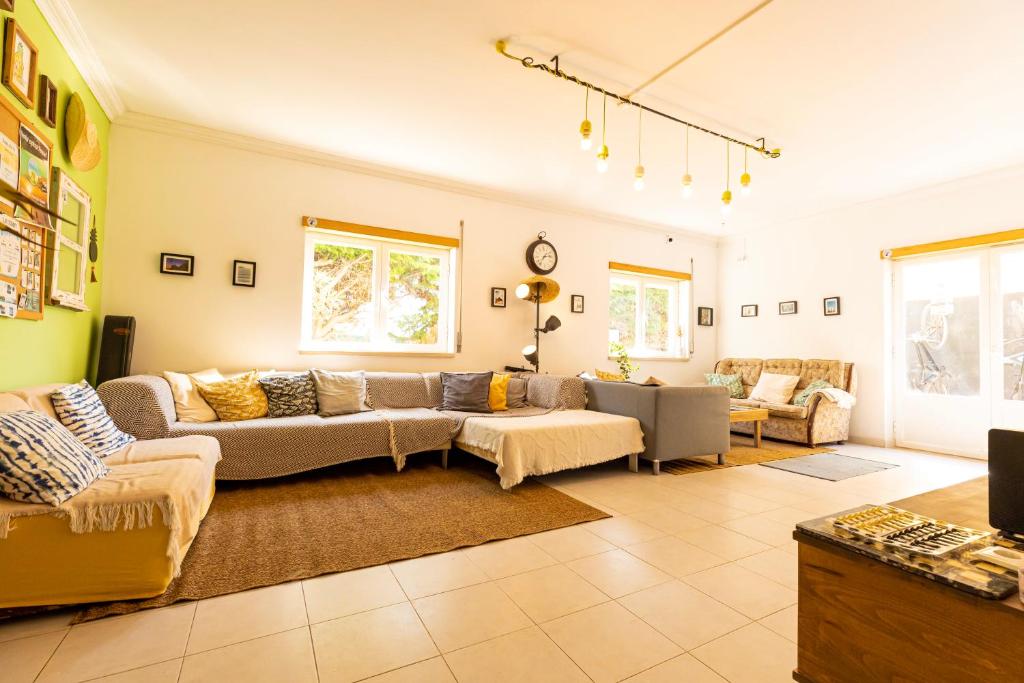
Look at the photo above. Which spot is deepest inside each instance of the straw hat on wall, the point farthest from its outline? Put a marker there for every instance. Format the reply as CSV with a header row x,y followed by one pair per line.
x,y
81,136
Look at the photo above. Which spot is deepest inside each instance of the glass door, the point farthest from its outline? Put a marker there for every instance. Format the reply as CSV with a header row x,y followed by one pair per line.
x,y
1008,336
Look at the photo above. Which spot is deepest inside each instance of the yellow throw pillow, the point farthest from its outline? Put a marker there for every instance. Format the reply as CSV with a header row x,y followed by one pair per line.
x,y
497,397
609,376
238,398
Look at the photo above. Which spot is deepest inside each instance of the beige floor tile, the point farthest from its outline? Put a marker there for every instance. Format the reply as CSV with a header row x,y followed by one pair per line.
x,y
623,530
116,644
369,643
684,614
787,515
752,654
571,543
338,595
761,529
708,510
527,655
284,656
499,559
742,501
783,622
469,615
618,573
723,542
682,669
551,592
746,592
668,519
610,643
21,660
428,671
229,619
675,556
437,573
164,672
776,564
34,626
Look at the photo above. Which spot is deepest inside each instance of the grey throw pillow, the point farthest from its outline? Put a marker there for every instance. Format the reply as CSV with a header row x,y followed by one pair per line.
x,y
290,393
340,393
516,396
466,391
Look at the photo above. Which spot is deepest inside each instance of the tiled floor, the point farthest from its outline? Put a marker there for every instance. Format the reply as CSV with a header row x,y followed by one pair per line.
x,y
693,579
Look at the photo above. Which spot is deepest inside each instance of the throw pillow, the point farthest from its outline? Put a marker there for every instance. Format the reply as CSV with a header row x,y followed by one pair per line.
x,y
340,393
80,410
239,398
288,394
609,376
801,398
41,461
772,388
466,391
731,382
515,397
188,402
497,396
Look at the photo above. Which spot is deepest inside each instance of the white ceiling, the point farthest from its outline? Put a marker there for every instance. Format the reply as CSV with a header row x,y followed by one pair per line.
x,y
867,98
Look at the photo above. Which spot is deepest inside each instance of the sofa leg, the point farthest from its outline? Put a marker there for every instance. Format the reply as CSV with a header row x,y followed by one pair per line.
x,y
721,458
656,467
444,459
634,462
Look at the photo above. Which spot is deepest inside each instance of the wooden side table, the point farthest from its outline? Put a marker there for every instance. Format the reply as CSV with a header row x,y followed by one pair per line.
x,y
755,415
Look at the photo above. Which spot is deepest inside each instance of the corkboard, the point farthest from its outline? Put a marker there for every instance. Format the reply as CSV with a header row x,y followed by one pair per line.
x,y
34,258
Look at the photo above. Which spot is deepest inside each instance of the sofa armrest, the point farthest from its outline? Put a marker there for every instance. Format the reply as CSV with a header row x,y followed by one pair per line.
x,y
691,421
556,391
141,405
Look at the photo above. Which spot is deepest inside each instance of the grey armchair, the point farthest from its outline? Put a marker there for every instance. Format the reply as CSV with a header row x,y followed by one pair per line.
x,y
677,422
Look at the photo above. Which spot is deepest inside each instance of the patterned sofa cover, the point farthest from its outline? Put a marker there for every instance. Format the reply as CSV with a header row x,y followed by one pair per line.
x,y
404,420
820,421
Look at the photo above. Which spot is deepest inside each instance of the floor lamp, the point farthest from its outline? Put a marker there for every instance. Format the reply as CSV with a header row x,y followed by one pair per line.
x,y
539,290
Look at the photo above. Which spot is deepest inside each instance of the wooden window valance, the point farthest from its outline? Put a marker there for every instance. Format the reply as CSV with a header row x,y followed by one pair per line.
x,y
384,233
644,270
990,239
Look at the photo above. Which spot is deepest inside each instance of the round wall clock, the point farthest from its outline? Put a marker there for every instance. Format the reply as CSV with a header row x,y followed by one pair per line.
x,y
541,256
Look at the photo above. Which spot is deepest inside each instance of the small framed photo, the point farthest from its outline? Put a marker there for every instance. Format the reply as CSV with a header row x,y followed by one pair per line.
x,y
20,63
48,101
243,274
705,316
498,297
787,308
177,264
832,305
576,305
748,311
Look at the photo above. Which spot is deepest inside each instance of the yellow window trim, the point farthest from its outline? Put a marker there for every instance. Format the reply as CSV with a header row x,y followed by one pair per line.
x,y
644,270
1004,237
385,233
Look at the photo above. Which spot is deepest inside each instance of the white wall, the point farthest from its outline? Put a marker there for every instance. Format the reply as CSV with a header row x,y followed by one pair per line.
x,y
219,203
837,254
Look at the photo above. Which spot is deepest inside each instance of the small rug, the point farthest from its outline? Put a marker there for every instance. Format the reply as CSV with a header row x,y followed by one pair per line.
x,y
741,453
830,466
354,515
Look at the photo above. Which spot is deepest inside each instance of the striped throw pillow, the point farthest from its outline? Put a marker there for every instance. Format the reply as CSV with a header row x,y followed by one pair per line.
x,y
80,409
238,398
41,461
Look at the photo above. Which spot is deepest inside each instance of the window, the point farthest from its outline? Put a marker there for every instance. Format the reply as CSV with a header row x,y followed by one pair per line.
x,y
70,244
376,295
648,315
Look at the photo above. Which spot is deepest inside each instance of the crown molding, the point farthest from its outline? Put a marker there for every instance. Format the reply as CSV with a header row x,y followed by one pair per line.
x,y
65,25
156,124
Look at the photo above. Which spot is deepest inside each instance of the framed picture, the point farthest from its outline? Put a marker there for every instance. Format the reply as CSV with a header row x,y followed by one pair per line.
x,y
498,297
576,305
787,308
48,101
832,305
244,274
177,264
20,63
705,316
748,311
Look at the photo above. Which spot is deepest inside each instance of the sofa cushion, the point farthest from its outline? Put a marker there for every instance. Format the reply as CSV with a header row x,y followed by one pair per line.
x,y
339,393
466,391
497,397
774,388
830,371
290,393
516,394
189,405
80,410
203,448
786,410
749,370
238,398
800,399
730,382
746,403
403,390
41,461
9,403
38,398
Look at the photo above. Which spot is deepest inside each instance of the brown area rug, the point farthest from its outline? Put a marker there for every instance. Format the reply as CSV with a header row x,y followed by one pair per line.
x,y
354,515
742,453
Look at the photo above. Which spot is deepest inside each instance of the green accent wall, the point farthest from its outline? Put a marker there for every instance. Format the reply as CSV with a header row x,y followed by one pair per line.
x,y
61,347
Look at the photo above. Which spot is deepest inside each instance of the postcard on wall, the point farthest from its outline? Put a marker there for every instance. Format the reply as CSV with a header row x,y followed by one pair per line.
x,y
8,293
8,310
10,254
8,161
34,167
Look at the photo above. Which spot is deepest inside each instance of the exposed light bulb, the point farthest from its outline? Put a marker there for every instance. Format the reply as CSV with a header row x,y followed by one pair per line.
x,y
726,202
687,186
585,129
602,159
745,184
638,182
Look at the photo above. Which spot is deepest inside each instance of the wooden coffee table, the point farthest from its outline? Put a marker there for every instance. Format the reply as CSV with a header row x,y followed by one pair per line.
x,y
755,415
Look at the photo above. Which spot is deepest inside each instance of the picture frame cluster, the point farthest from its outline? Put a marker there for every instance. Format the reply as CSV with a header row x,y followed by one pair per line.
x,y
243,273
830,307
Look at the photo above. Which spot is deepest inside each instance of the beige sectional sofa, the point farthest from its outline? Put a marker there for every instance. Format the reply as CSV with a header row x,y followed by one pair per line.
x,y
822,420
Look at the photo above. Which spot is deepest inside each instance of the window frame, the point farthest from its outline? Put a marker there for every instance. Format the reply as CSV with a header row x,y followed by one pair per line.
x,y
67,187
679,318
382,249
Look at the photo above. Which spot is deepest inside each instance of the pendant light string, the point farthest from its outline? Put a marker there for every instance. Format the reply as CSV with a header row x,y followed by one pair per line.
x,y
687,149
727,165
639,135
604,117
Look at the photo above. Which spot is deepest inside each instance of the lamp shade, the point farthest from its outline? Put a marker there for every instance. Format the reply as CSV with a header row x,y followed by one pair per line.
x,y
551,324
530,354
544,286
